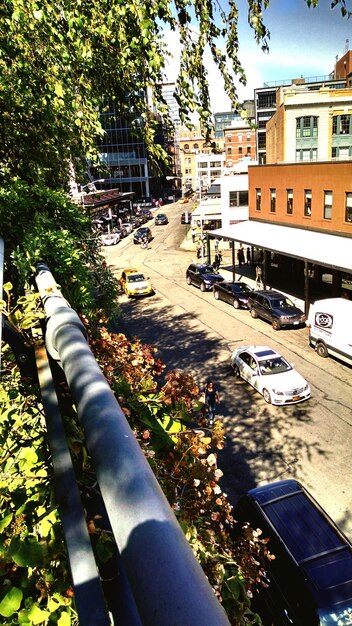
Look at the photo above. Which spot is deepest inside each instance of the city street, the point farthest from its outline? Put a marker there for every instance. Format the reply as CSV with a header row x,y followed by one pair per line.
x,y
310,441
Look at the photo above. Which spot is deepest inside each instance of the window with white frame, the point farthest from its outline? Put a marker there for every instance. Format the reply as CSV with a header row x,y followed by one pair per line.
x,y
307,202
348,215
327,205
258,199
272,200
289,204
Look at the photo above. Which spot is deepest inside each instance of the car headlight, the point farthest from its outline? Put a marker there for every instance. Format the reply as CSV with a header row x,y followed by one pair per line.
x,y
306,387
207,282
278,392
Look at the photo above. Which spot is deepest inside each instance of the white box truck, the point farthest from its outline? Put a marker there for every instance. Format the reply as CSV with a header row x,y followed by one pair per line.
x,y
330,328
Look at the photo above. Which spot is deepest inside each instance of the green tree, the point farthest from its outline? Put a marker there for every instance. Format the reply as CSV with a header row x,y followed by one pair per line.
x,y
59,60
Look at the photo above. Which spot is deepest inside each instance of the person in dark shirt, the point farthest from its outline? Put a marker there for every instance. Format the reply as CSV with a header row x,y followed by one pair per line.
x,y
211,398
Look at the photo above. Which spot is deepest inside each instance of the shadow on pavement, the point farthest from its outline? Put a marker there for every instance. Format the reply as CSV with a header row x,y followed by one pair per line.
x,y
260,443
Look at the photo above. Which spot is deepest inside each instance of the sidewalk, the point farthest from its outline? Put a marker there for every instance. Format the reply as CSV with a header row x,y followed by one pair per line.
x,y
245,273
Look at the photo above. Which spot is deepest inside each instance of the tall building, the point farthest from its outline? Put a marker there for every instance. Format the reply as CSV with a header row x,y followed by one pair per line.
x,y
123,155
310,125
239,142
167,90
265,98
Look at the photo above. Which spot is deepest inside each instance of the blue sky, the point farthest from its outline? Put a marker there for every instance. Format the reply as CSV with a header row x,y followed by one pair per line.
x,y
303,42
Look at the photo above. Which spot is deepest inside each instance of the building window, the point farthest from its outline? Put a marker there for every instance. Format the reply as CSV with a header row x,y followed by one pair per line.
x,y
307,126
186,147
258,199
240,150
341,125
233,198
327,205
248,149
289,205
261,140
229,150
248,136
228,137
307,202
243,198
272,200
215,163
195,146
239,137
349,206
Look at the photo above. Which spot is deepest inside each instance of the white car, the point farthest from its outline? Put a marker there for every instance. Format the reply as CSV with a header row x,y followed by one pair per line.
x,y
270,374
110,239
128,227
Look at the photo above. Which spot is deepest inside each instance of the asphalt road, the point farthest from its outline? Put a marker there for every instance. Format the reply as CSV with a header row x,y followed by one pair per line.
x,y
310,441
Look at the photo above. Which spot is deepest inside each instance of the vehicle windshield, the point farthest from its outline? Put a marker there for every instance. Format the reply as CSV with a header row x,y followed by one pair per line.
x,y
208,269
274,366
342,617
282,303
135,278
243,288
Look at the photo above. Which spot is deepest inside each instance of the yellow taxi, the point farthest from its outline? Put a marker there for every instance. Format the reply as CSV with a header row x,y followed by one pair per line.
x,y
134,283
183,201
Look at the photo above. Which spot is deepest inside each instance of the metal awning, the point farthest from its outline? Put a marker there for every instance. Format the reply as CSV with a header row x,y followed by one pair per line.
x,y
332,251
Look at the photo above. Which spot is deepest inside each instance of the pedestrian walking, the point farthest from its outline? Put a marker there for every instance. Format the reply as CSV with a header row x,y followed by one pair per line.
x,y
193,234
199,250
248,254
258,274
211,399
216,245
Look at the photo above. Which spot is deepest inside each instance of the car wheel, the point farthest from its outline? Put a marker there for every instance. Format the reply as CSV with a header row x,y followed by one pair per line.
x,y
236,371
189,280
322,350
216,295
266,396
276,324
236,304
202,287
254,313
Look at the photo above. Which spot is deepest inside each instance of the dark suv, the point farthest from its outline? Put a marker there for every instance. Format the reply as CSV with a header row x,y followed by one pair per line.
x,y
310,579
276,308
203,276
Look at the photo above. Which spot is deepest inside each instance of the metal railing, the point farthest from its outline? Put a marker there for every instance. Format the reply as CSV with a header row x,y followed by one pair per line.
x,y
166,581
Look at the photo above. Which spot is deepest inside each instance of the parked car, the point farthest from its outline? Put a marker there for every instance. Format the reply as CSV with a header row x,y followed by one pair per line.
x,y
135,221
270,374
203,276
161,219
142,232
276,308
183,201
134,283
110,239
234,293
128,227
146,215
310,579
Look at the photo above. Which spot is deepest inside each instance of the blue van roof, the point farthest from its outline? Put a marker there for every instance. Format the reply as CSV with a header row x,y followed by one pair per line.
x,y
325,555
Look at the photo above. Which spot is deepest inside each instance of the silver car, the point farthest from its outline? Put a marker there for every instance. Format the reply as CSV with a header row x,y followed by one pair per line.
x,y
270,374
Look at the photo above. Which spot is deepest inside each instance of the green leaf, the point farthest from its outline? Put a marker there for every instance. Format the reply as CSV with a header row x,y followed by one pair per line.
x,y
37,615
11,602
5,521
64,619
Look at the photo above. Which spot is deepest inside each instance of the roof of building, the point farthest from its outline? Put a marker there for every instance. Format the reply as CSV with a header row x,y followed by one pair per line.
x,y
325,249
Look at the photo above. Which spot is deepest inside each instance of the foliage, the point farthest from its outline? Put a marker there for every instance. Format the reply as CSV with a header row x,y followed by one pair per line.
x,y
35,580
45,225
60,62
166,421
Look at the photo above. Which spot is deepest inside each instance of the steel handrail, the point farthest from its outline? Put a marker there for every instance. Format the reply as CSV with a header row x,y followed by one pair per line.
x,y
167,582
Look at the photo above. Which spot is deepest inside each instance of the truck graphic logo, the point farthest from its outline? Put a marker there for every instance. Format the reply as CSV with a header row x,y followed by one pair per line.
x,y
324,320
